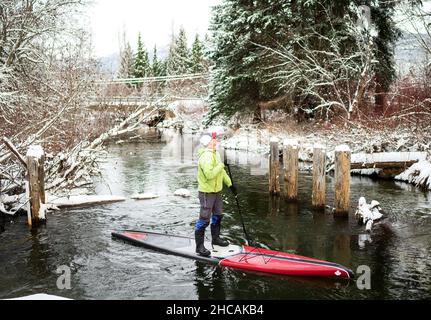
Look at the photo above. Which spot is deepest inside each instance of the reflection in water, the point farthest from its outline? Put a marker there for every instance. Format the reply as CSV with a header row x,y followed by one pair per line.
x,y
363,239
2,222
291,212
209,281
319,238
342,249
274,205
38,257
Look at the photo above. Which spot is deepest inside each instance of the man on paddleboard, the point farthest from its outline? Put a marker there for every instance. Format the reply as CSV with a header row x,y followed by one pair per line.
x,y
211,177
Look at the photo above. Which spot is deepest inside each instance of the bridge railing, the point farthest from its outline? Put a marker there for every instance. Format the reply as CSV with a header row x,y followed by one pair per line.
x,y
134,100
191,76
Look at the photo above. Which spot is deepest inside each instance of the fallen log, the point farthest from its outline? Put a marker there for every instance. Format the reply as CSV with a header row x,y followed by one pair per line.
x,y
15,151
386,160
383,165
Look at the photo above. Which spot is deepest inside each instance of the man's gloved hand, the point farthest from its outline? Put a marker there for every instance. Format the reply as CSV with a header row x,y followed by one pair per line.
x,y
233,189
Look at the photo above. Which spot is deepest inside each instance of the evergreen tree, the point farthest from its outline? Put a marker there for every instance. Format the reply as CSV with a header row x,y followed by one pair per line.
x,y
382,13
170,61
142,66
243,30
235,78
197,58
156,66
126,62
206,52
179,61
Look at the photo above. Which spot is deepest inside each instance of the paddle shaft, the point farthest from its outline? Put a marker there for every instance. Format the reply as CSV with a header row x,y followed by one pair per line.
x,y
239,209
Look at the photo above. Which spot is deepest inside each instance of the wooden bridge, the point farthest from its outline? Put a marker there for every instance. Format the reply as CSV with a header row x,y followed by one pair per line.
x,y
148,91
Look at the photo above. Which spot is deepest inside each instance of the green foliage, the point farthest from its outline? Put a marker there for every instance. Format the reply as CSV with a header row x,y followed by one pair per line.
x,y
237,71
197,58
244,31
157,66
179,61
126,62
142,65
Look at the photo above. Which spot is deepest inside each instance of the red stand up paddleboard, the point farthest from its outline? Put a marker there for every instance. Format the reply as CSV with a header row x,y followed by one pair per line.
x,y
238,257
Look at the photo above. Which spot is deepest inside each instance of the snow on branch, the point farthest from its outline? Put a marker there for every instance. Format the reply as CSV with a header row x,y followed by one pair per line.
x,y
326,77
418,174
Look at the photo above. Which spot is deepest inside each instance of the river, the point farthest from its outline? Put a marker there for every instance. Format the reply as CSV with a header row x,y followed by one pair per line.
x,y
397,251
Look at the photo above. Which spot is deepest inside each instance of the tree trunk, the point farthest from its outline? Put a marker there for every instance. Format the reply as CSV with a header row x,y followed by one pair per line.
x,y
380,95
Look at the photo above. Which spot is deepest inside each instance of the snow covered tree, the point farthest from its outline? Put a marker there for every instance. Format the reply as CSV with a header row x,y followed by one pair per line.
x,y
206,44
142,65
197,58
157,65
45,63
126,61
244,33
179,56
382,13
235,80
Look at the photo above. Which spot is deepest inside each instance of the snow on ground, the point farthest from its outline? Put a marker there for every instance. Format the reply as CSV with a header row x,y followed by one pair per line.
x,y
365,145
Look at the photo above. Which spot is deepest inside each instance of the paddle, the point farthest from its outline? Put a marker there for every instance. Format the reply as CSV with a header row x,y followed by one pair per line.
x,y
248,240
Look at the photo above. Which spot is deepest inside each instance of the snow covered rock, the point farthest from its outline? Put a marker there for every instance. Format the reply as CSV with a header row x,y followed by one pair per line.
x,y
182,193
144,196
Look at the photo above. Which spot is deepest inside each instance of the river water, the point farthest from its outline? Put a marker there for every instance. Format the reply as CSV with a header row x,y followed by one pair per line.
x,y
397,251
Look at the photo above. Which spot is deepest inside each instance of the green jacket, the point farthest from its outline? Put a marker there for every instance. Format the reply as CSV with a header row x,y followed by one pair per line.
x,y
211,173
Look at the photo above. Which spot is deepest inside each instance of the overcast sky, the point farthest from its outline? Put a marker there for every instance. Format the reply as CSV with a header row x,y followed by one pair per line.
x,y
153,18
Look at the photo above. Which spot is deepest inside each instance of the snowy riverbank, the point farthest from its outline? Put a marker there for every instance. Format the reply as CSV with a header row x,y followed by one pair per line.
x,y
388,144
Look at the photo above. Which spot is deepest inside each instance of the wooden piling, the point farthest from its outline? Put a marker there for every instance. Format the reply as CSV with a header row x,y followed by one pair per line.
x,y
36,186
319,181
41,178
290,164
342,180
274,182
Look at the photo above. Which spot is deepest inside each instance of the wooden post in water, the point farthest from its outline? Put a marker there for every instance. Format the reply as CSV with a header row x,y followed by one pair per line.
x,y
41,177
342,180
274,182
290,164
319,181
36,186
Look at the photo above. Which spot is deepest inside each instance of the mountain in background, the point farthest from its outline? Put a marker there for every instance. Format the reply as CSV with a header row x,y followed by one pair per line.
x,y
109,65
409,55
